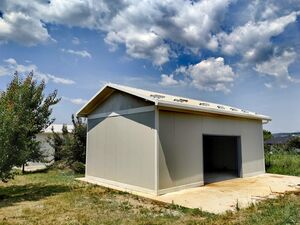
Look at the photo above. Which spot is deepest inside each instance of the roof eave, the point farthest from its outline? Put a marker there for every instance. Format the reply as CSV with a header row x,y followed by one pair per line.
x,y
81,112
212,111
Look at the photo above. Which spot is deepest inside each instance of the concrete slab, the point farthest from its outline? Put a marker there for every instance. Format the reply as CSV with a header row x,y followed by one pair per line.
x,y
225,195
221,196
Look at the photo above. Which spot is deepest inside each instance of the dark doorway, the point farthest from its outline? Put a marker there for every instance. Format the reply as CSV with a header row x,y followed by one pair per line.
x,y
221,157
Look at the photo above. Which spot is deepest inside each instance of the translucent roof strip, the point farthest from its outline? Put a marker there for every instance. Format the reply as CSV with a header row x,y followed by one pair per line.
x,y
180,100
203,104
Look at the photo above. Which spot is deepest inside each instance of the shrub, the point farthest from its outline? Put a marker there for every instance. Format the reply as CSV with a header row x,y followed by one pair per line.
x,y
283,162
78,167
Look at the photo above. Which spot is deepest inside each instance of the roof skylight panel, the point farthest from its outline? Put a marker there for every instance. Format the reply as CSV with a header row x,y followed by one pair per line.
x,y
181,100
234,109
203,104
157,96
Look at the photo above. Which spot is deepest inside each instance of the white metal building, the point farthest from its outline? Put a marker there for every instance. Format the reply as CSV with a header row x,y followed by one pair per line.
x,y
157,143
44,138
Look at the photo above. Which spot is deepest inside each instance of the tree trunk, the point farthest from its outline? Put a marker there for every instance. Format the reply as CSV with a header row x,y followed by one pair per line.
x,y
23,168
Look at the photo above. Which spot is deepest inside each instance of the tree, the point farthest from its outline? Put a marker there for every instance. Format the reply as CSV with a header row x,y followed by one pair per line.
x,y
267,135
293,143
70,147
57,142
77,144
24,112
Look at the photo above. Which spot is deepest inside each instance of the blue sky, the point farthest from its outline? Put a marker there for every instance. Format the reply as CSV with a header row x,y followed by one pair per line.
x,y
241,53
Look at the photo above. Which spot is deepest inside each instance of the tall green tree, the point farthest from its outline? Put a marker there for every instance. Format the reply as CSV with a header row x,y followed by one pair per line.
x,y
77,144
70,147
267,136
58,141
24,112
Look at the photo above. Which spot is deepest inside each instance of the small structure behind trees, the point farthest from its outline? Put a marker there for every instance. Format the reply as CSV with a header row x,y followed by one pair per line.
x,y
25,111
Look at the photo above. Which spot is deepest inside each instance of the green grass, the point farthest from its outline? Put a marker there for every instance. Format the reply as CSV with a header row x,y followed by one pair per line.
x,y
54,197
283,162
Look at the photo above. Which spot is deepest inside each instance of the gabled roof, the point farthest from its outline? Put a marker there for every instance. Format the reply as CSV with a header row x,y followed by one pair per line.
x,y
169,101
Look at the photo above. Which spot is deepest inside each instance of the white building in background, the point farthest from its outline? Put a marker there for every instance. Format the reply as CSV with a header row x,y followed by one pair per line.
x,y
44,137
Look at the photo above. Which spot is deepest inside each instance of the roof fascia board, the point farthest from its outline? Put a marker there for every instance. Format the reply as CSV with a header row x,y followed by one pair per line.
x,y
116,87
86,104
202,109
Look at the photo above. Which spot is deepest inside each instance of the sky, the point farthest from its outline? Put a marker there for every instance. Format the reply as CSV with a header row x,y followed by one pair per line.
x,y
235,52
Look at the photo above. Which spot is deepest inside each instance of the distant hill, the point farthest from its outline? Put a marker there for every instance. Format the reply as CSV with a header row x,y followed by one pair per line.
x,y
281,138
286,134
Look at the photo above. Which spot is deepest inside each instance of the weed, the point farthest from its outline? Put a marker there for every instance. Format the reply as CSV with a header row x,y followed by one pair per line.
x,y
283,162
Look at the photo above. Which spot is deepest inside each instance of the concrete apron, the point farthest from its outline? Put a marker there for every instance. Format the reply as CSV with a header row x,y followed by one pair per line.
x,y
226,195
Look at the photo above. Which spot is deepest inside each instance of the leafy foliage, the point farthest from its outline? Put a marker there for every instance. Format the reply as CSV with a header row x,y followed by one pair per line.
x,y
71,146
293,143
267,135
283,162
24,112
57,142
76,145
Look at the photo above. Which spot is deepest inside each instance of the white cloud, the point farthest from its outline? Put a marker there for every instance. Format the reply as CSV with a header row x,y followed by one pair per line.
x,y
168,80
22,28
268,85
3,71
82,53
76,101
269,11
75,41
277,67
10,61
10,66
59,80
210,75
149,29
253,39
143,27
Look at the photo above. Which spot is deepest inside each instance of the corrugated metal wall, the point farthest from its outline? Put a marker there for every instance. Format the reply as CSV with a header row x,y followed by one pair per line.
x,y
121,148
180,151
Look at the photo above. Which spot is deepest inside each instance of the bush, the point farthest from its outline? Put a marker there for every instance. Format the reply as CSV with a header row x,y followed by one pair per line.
x,y
293,144
78,167
283,162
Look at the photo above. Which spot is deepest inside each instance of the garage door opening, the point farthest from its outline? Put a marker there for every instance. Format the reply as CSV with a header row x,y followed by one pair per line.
x,y
221,157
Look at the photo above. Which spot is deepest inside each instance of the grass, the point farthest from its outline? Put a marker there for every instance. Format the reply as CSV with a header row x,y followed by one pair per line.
x,y
54,197
283,162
